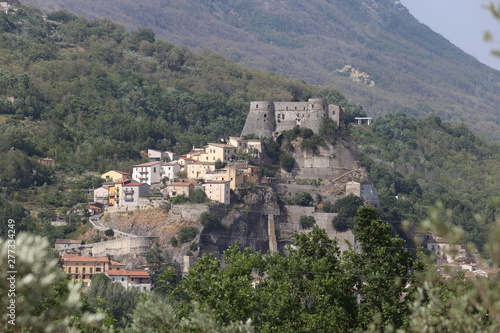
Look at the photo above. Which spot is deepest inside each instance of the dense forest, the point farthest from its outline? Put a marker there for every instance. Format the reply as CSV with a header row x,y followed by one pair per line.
x,y
414,69
416,163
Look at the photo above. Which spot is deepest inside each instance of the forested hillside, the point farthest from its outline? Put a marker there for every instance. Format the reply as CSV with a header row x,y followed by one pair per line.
x,y
413,69
416,163
91,96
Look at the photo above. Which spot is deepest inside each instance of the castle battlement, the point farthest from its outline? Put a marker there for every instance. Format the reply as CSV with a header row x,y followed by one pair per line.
x,y
267,119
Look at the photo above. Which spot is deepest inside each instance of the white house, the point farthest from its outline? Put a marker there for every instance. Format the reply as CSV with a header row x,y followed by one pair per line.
x,y
132,192
171,156
170,169
131,278
149,173
218,191
101,195
155,155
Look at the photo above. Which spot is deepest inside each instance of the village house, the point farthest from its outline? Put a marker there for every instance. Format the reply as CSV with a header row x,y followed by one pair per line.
x,y
94,210
252,147
197,169
131,193
101,194
231,174
63,244
131,278
219,151
47,161
83,268
171,156
156,155
115,175
170,169
149,173
218,191
444,251
180,188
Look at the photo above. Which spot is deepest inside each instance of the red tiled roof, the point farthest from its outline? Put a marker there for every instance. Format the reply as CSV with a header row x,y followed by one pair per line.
x,y
217,182
94,207
116,263
123,181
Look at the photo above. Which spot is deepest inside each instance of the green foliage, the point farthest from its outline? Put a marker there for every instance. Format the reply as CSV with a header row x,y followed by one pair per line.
x,y
209,220
198,196
178,199
174,241
45,299
307,222
187,234
328,130
347,208
219,164
422,161
107,295
303,199
109,232
287,162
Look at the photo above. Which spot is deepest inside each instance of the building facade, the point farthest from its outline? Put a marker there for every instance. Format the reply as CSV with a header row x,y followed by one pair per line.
x,y
218,191
149,173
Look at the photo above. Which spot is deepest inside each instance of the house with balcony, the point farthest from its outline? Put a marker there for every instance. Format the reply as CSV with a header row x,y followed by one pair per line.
x,y
219,151
83,268
131,193
131,278
218,191
253,147
149,173
197,169
101,194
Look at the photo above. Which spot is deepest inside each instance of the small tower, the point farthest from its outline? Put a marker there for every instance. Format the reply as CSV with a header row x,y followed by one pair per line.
x,y
261,119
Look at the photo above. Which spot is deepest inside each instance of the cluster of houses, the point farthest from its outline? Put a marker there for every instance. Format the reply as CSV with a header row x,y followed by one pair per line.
x,y
84,268
7,7
214,166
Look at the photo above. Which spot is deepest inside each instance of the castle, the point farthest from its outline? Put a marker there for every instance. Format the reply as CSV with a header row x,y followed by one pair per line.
x,y
267,119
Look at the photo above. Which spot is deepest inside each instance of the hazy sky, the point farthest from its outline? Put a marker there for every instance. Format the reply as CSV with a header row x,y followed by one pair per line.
x,y
462,22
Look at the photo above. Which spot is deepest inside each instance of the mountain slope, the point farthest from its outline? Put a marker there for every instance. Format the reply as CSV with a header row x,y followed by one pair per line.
x,y
413,69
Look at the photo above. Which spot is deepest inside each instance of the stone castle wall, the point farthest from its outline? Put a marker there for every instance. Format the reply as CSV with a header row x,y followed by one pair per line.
x,y
267,118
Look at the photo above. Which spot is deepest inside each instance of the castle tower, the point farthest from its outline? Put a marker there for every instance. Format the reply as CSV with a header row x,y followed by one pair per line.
x,y
317,111
261,119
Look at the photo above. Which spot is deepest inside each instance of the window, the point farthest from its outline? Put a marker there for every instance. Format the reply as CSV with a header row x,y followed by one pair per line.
x,y
91,270
76,270
69,270
123,279
98,270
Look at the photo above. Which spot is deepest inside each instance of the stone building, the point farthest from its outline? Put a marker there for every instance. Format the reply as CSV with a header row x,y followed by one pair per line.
x,y
268,118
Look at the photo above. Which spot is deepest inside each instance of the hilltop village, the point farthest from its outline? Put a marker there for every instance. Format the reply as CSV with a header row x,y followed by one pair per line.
x,y
232,180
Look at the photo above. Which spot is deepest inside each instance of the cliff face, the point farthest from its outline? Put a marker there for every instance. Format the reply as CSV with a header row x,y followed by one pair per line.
x,y
244,223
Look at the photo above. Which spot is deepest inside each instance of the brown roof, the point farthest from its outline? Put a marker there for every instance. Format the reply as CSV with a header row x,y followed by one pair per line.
x,y
180,184
217,182
68,241
94,207
116,263
147,164
134,184
123,181
132,273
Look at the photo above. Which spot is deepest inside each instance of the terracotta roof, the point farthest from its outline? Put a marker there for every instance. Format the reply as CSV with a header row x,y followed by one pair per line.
x,y
94,207
116,263
76,258
68,241
217,182
134,184
123,181
131,273
171,163
180,184
147,164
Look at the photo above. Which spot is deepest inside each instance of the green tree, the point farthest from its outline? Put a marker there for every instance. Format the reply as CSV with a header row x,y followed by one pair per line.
x,y
303,199
386,269
347,208
187,234
179,199
209,220
219,164
287,162
198,196
307,222
109,232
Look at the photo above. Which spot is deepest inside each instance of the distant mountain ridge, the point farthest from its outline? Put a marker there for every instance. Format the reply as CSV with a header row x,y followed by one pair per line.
x,y
413,69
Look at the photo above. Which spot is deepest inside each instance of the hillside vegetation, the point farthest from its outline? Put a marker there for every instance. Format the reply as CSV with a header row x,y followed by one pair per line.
x,y
415,163
413,69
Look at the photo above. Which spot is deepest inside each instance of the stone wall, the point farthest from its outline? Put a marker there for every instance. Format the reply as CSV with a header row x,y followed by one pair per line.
x,y
187,212
122,246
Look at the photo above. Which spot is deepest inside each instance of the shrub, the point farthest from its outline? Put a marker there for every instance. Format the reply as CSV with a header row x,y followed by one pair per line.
x,y
179,199
174,242
194,246
209,220
187,234
287,162
198,196
303,199
109,232
307,222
